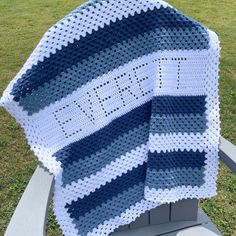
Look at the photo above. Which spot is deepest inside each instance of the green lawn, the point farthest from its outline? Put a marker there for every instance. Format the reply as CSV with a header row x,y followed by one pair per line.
x,y
22,24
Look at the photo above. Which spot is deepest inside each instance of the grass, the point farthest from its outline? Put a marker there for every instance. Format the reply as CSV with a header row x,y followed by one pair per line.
x,y
22,24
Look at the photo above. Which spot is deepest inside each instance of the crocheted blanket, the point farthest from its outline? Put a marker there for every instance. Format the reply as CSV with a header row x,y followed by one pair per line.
x,y
119,100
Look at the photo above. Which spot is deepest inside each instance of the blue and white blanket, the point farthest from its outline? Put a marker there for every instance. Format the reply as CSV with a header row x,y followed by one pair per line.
x,y
119,101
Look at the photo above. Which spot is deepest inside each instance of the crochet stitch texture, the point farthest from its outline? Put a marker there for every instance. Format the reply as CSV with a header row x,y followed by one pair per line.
x,y
119,100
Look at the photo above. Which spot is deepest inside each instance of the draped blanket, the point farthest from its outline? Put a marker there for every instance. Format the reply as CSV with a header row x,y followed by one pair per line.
x,y
119,100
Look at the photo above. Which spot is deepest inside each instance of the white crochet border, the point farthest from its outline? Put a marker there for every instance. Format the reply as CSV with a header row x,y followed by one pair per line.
x,y
208,189
45,155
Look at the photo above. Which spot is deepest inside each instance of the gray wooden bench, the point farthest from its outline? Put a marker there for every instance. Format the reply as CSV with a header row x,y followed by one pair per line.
x,y
183,218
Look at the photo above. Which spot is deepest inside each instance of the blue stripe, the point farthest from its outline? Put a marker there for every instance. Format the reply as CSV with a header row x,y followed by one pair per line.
x,y
122,183
104,38
104,137
175,159
169,105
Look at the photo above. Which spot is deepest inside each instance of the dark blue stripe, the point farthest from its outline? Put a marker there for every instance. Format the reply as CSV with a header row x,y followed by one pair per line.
x,y
169,105
105,136
104,38
79,207
175,159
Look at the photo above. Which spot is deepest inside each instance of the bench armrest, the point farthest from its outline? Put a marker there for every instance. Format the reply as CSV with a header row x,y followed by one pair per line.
x,y
30,216
228,154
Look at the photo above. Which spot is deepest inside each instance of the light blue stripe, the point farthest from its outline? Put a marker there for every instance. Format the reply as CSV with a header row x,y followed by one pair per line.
x,y
176,177
187,123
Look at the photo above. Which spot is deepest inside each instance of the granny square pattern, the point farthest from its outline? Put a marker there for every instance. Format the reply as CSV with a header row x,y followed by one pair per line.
x,y
119,100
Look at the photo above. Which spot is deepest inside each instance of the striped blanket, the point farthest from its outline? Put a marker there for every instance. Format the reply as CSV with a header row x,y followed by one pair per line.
x,y
119,100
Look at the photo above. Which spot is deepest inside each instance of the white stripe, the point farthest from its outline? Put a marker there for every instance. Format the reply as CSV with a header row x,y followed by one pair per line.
x,y
63,218
182,141
73,124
